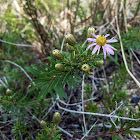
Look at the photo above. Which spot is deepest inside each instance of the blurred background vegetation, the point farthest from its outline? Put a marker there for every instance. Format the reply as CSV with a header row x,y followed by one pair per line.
x,y
43,23
30,29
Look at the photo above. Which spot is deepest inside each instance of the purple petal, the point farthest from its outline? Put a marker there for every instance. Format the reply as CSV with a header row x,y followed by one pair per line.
x,y
104,51
90,46
107,35
110,47
98,50
109,50
111,40
91,40
95,49
96,36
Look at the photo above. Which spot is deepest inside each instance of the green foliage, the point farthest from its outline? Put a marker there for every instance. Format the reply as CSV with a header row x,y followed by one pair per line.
x,y
88,90
14,77
51,80
119,78
50,132
21,129
131,39
116,92
116,137
92,107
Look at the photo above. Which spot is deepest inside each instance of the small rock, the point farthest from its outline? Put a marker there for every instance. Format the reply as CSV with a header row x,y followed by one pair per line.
x,y
135,99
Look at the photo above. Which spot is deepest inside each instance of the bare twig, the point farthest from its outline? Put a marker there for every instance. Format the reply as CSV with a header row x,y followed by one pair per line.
x,y
97,114
135,56
32,115
49,110
64,131
3,84
82,98
89,130
91,99
20,45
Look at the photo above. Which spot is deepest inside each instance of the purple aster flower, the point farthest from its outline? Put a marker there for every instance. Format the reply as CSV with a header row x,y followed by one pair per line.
x,y
100,41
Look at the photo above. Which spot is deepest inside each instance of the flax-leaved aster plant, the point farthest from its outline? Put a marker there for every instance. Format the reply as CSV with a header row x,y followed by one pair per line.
x,y
65,66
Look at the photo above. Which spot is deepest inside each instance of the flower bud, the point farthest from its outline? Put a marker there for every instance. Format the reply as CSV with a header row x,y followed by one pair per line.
x,y
129,27
70,39
8,92
99,63
43,124
90,30
70,48
85,67
56,118
59,67
57,54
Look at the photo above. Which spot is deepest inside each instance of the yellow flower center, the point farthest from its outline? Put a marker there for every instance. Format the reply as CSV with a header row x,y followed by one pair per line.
x,y
101,40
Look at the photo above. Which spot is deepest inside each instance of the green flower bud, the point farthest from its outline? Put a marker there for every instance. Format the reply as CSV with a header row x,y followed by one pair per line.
x,y
8,92
60,67
70,39
90,30
99,63
43,124
70,48
85,68
129,27
57,54
56,118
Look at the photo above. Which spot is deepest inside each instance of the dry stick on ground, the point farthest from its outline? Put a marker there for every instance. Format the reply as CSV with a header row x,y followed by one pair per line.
x,y
49,110
68,101
97,114
91,99
89,130
82,97
135,56
123,55
64,131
